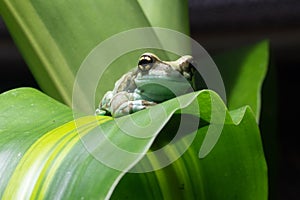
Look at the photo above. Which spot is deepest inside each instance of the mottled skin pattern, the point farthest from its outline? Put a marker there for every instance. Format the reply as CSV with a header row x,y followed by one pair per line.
x,y
147,84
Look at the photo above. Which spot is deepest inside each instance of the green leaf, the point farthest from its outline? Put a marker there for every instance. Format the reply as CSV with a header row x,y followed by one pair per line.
x,y
54,37
41,162
234,169
243,72
32,148
157,16
41,159
50,163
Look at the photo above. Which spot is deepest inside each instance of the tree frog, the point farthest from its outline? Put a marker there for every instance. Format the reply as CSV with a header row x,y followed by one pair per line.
x,y
152,81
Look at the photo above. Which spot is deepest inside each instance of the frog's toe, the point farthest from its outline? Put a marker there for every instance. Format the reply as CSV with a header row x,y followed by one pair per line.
x,y
100,112
148,103
138,105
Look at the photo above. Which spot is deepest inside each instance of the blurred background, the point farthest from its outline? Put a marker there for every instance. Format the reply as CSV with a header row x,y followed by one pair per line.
x,y
219,26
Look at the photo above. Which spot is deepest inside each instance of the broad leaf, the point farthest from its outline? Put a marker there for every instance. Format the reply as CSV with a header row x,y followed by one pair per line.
x,y
55,163
55,36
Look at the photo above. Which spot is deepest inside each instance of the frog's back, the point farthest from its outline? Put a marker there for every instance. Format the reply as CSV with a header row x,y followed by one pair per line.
x,y
126,82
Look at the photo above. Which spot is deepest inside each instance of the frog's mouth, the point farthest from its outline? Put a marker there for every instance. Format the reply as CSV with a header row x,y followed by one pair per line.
x,y
161,88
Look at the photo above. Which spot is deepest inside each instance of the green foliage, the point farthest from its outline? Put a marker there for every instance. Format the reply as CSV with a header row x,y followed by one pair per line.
x,y
243,74
55,36
54,163
43,149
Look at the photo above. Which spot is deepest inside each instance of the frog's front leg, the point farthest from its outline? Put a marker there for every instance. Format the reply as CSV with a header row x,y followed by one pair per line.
x,y
123,103
104,106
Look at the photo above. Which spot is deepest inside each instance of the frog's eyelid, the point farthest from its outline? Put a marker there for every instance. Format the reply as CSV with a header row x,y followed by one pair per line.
x,y
148,58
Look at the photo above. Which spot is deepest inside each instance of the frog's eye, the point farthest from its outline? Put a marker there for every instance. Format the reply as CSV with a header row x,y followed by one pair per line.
x,y
145,62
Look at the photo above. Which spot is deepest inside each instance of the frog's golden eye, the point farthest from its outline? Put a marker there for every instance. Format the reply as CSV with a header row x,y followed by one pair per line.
x,y
145,62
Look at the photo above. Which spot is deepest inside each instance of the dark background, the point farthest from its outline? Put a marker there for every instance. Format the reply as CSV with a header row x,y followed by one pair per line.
x,y
221,25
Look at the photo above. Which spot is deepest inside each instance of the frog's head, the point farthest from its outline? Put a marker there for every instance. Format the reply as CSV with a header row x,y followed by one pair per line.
x,y
150,65
161,80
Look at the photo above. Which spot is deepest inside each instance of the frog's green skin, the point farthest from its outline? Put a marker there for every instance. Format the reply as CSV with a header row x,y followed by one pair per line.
x,y
147,84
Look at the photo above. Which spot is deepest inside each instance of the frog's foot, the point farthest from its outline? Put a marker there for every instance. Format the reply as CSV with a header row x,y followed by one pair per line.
x,y
129,107
124,103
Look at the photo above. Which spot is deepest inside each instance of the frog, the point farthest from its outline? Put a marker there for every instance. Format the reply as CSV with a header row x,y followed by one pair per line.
x,y
151,82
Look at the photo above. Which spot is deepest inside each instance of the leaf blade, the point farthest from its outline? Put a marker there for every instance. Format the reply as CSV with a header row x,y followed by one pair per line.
x,y
54,41
71,171
243,72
